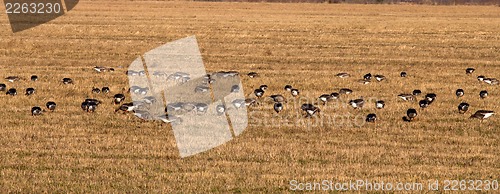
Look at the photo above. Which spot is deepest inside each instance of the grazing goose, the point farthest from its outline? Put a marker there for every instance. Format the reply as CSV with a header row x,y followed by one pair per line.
x,y
380,104
250,101
96,90
416,92
407,97
34,78
325,98
367,76
100,69
295,92
357,103
253,74
403,74
345,91
491,81
175,106
235,89
371,118
3,87
379,78
149,100
12,92
201,89
469,71
119,98
126,107
411,114
423,104
343,75
364,81
12,78
201,107
482,114
481,78
459,93
67,80
483,94
220,109
288,88
51,106
29,91
310,109
35,111
278,107
174,120
463,107
258,92
105,89
335,95
278,98
91,106
263,87
238,103
430,97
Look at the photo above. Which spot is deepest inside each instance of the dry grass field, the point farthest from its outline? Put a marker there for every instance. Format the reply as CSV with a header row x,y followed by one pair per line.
x,y
304,45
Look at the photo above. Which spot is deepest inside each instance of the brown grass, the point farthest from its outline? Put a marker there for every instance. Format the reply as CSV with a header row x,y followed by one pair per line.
x,y
300,44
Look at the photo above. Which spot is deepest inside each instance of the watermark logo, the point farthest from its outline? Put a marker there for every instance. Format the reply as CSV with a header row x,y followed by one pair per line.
x,y
26,14
170,83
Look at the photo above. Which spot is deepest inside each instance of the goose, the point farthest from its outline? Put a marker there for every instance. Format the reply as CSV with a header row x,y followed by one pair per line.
x,y
416,92
263,87
258,92
481,78
188,107
95,101
220,109
126,107
96,90
406,97
491,81
142,73
295,92
367,76
132,73
325,98
379,78
105,89
411,113
174,120
278,98
29,91
201,107
3,87
238,103
201,89
12,78
423,104
345,91
253,74
335,95
235,89
288,88
12,92
403,74
51,106
482,114
149,100
89,106
278,107
35,111
343,75
310,109
469,71
380,104
174,106
483,94
34,78
67,80
159,74
430,97
371,118
142,114
364,81
459,93
357,103
118,98
250,101
463,107
100,69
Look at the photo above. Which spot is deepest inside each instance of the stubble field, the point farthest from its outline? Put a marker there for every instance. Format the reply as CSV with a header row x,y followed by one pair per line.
x,y
304,45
